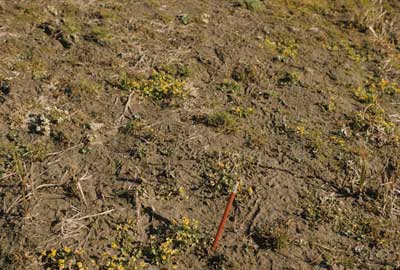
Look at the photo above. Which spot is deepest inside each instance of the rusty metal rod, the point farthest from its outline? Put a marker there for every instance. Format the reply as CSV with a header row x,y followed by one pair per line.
x,y
225,217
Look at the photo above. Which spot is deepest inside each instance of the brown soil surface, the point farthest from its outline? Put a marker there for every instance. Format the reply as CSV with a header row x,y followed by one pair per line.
x,y
125,124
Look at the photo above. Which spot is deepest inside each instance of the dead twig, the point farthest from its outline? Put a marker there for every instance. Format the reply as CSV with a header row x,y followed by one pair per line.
x,y
71,227
65,150
127,108
93,215
79,186
7,176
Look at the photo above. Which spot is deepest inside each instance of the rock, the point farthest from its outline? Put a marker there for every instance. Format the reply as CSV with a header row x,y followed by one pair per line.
x,y
96,126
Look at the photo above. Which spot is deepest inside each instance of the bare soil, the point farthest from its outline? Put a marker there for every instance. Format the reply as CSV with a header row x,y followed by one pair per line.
x,y
125,124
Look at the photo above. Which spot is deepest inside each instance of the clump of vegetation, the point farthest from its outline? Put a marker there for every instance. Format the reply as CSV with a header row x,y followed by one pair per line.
x,y
109,13
241,112
39,70
163,85
229,87
253,5
275,237
89,86
124,252
15,156
84,86
99,35
331,105
377,18
167,241
219,119
372,120
219,262
370,230
244,73
255,139
176,70
71,26
314,140
390,88
223,170
133,126
221,175
365,95
317,211
290,78
373,231
227,120
138,151
63,259
283,50
184,19
179,239
371,92
351,50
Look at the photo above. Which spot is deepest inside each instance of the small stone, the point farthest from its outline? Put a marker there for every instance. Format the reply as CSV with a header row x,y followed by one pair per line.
x,y
205,18
314,29
96,126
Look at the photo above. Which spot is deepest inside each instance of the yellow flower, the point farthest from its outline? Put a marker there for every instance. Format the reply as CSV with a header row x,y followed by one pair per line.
x,y
181,191
185,221
384,83
114,245
67,250
300,130
61,264
52,253
80,265
341,142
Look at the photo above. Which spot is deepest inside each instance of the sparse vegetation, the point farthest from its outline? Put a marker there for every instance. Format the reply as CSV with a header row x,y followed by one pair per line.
x,y
163,85
99,34
63,258
229,86
253,5
219,119
275,237
291,78
283,51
